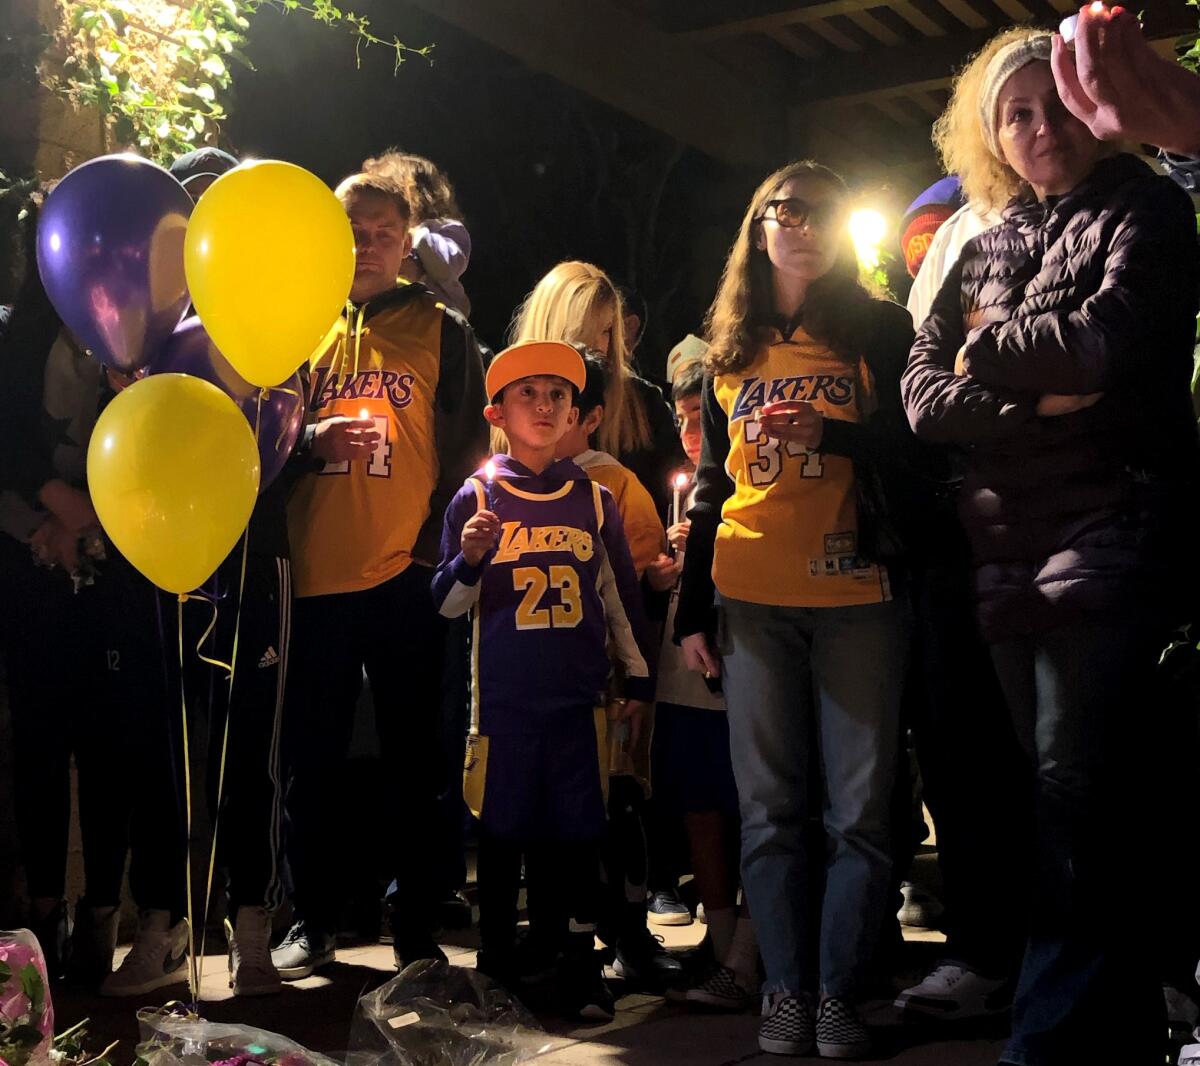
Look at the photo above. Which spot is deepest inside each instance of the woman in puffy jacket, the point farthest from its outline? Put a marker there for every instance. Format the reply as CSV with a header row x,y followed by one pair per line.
x,y
1058,356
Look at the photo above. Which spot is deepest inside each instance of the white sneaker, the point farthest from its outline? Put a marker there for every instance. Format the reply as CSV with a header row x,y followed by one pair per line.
x,y
953,992
158,957
1189,1055
251,971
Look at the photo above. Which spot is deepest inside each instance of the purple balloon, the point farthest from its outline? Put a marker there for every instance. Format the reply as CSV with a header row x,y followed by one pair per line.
x,y
280,418
110,252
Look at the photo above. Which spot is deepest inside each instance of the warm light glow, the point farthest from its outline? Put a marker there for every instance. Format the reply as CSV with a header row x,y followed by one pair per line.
x,y
681,480
489,470
1098,8
364,413
868,228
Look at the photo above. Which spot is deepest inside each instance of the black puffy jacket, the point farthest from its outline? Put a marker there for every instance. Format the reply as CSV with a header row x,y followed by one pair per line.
x,y
1092,292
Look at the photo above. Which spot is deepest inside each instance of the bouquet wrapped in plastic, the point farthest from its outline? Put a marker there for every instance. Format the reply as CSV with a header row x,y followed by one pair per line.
x,y
170,1039
26,1012
435,1014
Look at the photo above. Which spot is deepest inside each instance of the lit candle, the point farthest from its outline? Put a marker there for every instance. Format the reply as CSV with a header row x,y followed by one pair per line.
x,y
679,482
364,413
489,472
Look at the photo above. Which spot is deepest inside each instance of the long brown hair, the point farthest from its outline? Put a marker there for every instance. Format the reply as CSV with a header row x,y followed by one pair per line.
x,y
744,302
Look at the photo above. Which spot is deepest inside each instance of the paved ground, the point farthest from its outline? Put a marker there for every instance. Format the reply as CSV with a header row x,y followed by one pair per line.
x,y
648,1031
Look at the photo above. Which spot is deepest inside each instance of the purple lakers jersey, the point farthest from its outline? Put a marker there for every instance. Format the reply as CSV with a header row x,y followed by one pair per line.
x,y
546,602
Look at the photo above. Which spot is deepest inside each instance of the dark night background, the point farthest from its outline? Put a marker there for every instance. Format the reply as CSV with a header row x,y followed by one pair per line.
x,y
542,172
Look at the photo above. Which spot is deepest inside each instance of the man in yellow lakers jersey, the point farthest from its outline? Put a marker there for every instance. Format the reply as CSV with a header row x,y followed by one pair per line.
x,y
394,403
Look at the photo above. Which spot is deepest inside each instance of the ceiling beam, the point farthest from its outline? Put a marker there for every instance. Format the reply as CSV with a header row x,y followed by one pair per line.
x,y
791,15
925,65
966,14
607,52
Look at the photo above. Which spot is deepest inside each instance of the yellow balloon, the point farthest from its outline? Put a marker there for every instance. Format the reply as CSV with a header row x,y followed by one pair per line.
x,y
269,257
173,473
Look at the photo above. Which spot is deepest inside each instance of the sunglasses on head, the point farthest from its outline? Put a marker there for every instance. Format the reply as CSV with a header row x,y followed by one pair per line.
x,y
792,212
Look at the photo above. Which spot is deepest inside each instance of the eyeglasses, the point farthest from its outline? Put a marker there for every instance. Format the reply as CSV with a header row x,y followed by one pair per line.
x,y
793,212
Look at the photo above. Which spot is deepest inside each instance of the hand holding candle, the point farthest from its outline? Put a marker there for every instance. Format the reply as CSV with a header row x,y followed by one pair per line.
x,y
1112,80
481,533
340,438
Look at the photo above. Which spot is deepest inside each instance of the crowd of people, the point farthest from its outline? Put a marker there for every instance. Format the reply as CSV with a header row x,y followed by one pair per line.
x,y
963,523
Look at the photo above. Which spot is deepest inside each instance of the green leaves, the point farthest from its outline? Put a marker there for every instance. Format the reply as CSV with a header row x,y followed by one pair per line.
x,y
166,98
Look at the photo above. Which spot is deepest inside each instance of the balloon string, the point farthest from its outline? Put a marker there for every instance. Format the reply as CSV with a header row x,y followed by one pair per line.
x,y
212,624
225,735
265,394
193,971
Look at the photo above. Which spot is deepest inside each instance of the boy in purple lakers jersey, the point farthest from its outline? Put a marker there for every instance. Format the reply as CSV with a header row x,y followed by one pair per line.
x,y
536,552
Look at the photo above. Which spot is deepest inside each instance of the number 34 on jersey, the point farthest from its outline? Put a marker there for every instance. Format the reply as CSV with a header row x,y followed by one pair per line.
x,y
767,456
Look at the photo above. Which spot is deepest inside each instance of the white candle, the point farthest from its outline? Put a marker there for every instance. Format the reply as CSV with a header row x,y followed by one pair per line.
x,y
679,482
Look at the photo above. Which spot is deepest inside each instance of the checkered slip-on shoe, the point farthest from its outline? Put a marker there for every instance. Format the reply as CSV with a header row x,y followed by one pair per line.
x,y
720,990
787,1027
840,1032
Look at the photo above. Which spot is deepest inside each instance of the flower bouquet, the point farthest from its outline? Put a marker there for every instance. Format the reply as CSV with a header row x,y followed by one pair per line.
x,y
26,1013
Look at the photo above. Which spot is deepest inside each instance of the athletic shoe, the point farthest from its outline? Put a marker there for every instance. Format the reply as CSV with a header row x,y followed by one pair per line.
x,y
953,992
920,909
302,953
787,1027
840,1032
251,971
722,991
642,959
453,911
93,943
1189,1055
408,948
666,908
585,994
158,957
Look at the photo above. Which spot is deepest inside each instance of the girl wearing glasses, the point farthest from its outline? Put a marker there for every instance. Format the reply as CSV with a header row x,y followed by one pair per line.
x,y
790,526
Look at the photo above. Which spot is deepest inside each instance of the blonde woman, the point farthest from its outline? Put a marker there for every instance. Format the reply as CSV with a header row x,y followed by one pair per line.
x,y
441,245
1058,356
578,303
800,408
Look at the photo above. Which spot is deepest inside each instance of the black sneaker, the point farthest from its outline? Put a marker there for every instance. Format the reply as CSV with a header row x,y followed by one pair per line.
x,y
453,911
840,1032
302,952
787,1027
585,994
666,908
641,959
408,947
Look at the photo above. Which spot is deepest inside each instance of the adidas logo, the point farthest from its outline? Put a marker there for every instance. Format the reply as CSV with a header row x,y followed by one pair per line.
x,y
270,658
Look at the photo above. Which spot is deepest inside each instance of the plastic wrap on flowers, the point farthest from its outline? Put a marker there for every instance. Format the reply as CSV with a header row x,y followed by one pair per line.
x,y
26,1013
435,1014
184,1040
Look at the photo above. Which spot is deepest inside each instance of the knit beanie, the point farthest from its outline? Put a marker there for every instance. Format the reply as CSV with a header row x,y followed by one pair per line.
x,y
923,218
1004,65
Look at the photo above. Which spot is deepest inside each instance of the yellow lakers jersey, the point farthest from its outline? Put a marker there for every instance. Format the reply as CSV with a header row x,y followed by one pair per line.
x,y
643,528
789,533
353,525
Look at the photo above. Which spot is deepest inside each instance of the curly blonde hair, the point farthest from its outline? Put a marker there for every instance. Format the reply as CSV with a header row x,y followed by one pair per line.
x,y
745,300
427,190
989,183
562,307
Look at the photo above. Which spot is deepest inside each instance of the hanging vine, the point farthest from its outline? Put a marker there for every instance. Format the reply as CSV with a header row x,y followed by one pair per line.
x,y
160,70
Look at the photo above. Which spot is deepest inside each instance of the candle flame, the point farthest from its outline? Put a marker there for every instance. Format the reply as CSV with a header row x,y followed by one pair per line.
x,y
1098,7
364,413
681,480
489,470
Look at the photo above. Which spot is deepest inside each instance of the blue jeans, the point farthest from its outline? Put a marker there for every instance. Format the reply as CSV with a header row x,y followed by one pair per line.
x,y
814,725
1084,706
